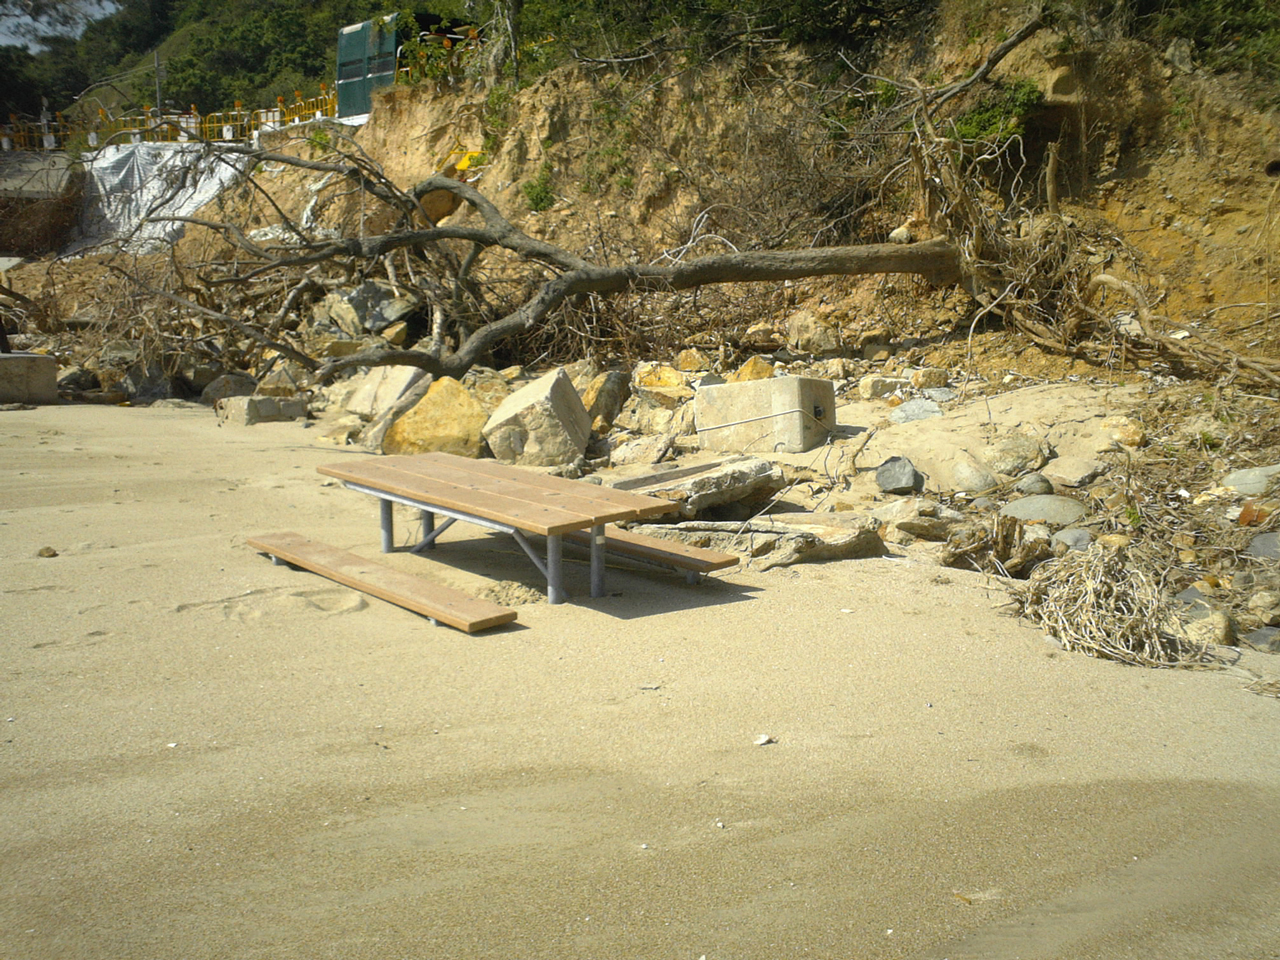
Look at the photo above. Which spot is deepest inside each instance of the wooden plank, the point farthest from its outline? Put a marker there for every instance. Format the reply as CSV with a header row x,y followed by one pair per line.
x,y
659,550
456,470
434,600
639,505
544,520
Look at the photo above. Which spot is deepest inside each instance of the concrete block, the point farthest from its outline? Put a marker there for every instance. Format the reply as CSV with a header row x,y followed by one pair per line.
x,y
542,424
781,414
28,378
380,388
246,411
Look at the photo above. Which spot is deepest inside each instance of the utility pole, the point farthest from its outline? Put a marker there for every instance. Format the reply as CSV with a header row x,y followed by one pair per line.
x,y
159,102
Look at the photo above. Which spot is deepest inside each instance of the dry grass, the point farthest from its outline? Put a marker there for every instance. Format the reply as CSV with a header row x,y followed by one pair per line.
x,y
1101,603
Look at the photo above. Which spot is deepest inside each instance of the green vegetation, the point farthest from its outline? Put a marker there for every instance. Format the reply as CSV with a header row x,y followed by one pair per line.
x,y
1000,113
538,191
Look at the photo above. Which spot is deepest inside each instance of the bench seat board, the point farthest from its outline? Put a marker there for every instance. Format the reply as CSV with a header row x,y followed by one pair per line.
x,y
432,600
658,550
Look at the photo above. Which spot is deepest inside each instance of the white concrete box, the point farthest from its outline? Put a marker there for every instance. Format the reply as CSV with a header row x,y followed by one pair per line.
x,y
778,415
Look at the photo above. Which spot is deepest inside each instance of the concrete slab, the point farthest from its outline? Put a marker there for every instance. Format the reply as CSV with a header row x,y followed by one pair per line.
x,y
28,378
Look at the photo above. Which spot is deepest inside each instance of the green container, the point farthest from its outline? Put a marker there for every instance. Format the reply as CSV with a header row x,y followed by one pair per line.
x,y
366,59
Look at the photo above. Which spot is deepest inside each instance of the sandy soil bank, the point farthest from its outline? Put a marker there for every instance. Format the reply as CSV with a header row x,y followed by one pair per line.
x,y
206,756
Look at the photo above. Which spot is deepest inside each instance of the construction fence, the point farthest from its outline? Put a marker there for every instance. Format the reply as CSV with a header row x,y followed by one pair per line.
x,y
152,126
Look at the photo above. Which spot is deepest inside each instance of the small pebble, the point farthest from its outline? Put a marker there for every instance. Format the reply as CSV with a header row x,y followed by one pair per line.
x,y
46,552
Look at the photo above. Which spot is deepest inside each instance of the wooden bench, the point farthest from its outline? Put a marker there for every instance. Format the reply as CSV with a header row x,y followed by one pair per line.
x,y
694,561
434,601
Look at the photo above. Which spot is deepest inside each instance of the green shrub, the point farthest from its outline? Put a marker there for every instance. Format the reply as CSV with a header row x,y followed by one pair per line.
x,y
538,191
999,114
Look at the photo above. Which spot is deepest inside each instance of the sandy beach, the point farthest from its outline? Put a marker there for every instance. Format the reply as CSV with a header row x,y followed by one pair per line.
x,y
208,756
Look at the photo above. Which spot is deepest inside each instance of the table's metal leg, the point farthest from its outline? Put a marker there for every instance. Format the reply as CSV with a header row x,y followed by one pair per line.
x,y
597,560
555,581
428,526
388,527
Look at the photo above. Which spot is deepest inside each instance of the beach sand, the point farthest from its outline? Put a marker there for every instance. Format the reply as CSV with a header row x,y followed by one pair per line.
x,y
203,755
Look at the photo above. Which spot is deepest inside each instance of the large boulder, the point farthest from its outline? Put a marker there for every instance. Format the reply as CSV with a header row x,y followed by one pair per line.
x,y
542,424
448,420
808,332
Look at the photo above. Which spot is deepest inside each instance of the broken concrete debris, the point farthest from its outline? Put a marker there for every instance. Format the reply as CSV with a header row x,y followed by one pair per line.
x,y
770,542
542,424
246,411
699,487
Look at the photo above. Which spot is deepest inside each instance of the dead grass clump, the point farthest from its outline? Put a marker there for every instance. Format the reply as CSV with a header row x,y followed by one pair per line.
x,y
1265,686
1101,603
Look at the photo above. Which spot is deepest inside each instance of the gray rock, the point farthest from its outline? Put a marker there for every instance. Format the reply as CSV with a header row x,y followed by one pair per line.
x,y
78,378
1046,508
1252,482
369,307
226,386
1073,471
1015,454
915,410
1266,639
899,475
1034,483
970,475
940,394
1076,538
1196,602
147,380
542,424
1265,546
985,503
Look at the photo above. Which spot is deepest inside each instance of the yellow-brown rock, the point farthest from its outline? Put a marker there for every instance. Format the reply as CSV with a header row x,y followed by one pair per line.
x,y
692,360
448,419
1125,430
757,368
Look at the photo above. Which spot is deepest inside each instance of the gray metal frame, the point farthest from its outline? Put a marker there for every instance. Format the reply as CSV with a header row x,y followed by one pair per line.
x,y
552,569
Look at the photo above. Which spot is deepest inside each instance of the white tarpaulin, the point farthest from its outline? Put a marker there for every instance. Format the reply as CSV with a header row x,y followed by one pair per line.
x,y
127,184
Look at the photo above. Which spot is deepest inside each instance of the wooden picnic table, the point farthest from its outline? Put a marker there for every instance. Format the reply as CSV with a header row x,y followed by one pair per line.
x,y
499,497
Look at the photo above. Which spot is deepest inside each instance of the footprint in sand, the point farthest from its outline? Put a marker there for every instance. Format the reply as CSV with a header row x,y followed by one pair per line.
x,y
281,601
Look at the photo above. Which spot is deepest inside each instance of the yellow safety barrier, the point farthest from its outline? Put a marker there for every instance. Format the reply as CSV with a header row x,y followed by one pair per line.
x,y
150,126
